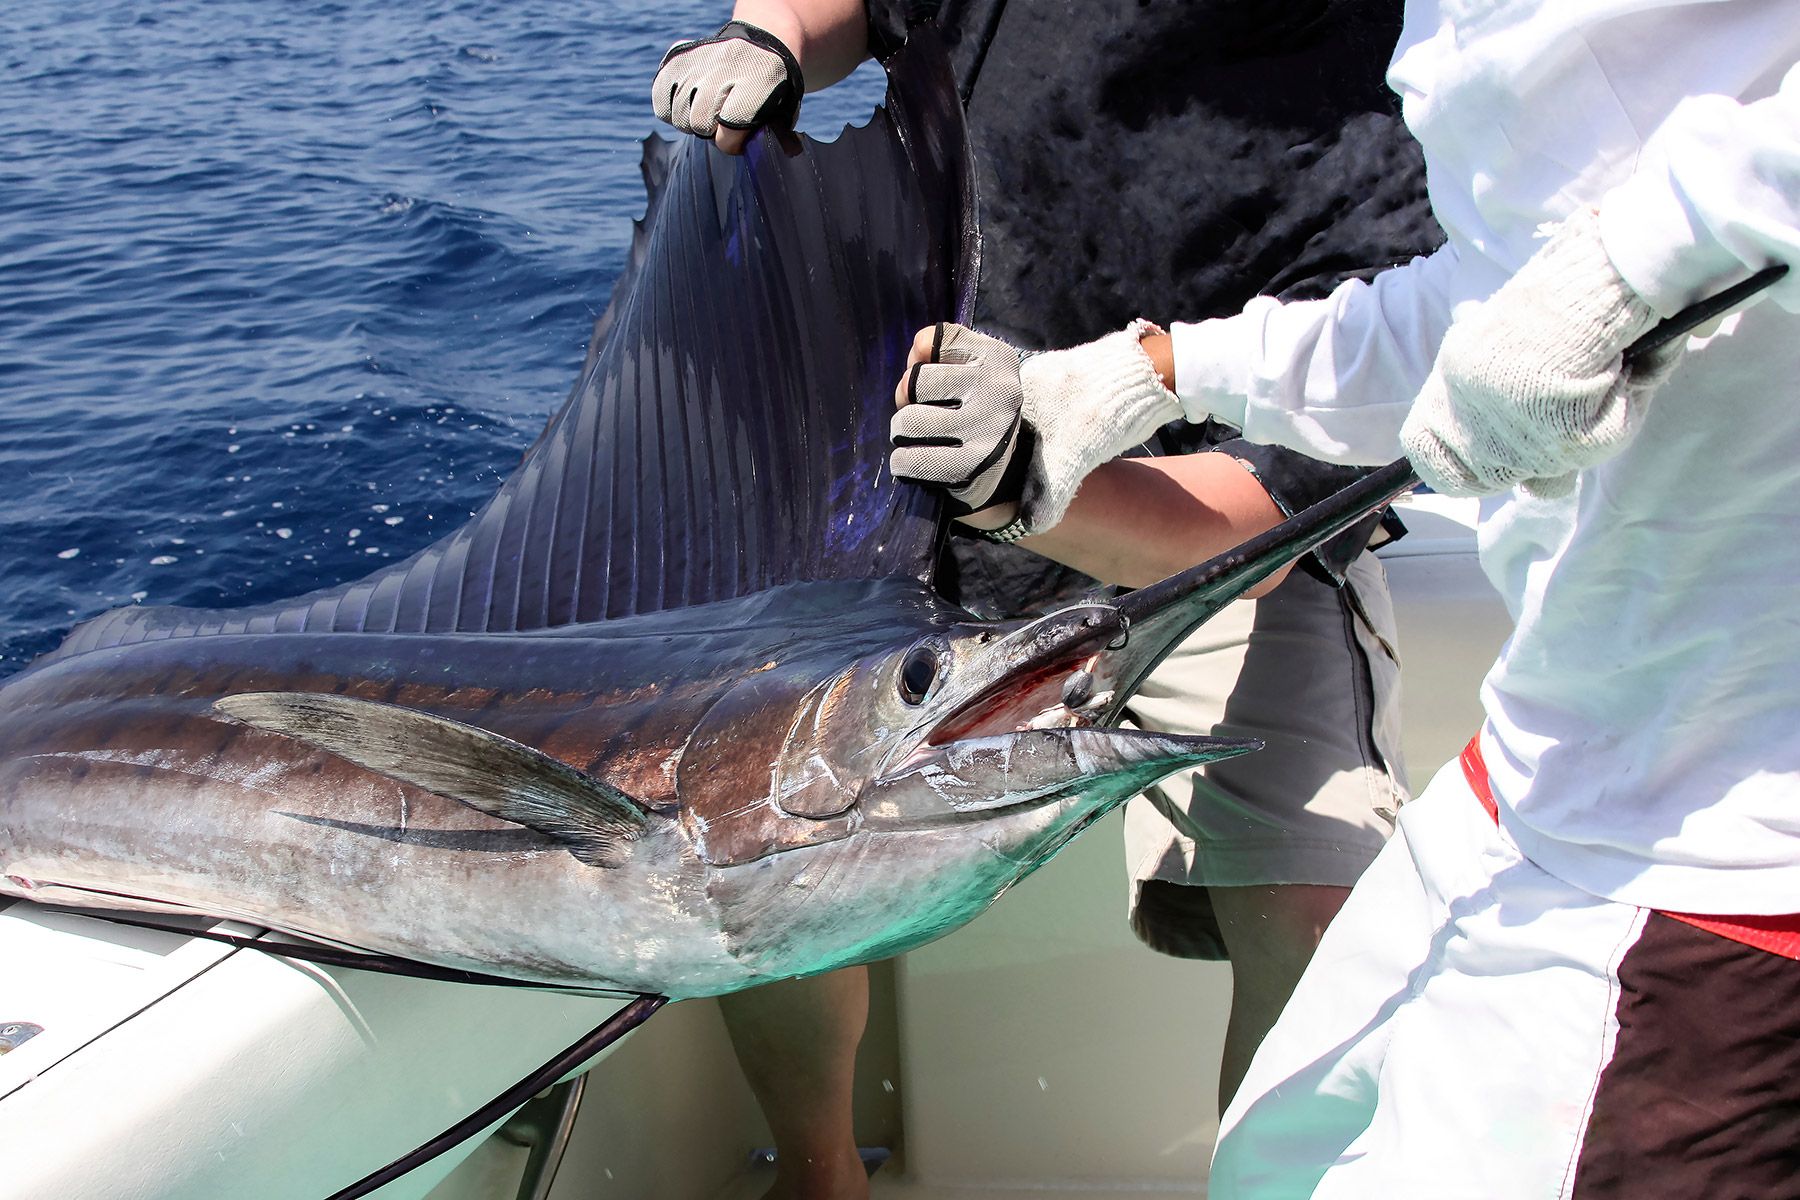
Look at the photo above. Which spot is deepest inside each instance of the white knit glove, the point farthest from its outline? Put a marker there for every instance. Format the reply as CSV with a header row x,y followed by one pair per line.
x,y
742,77
1530,387
992,425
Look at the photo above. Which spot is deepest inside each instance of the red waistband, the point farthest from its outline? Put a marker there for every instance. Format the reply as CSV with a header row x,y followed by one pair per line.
x,y
1778,934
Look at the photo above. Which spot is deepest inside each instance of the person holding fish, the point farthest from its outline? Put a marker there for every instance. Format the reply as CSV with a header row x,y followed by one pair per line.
x,y
1245,861
1575,971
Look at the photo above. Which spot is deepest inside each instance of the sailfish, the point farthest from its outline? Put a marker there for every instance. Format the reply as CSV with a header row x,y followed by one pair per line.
x,y
679,710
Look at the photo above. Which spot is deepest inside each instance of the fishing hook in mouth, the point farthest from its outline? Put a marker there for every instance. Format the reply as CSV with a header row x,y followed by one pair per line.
x,y
1080,705
1078,689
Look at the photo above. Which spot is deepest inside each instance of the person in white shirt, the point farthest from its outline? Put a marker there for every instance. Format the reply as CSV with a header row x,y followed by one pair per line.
x,y
1573,972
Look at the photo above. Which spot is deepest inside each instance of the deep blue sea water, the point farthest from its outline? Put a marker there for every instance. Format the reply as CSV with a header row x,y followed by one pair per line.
x,y
285,289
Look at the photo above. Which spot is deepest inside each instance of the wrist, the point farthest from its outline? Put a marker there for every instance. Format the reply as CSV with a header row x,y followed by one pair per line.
x,y
828,38
778,19
992,517
1217,364
1086,405
1129,373
1159,348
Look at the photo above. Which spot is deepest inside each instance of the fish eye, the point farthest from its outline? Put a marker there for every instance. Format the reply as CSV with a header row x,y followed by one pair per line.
x,y
918,673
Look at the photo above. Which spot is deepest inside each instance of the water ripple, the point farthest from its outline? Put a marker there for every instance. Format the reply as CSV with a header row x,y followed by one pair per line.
x,y
286,289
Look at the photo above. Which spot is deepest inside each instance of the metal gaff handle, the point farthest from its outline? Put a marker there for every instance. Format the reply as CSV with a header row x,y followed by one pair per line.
x,y
1698,314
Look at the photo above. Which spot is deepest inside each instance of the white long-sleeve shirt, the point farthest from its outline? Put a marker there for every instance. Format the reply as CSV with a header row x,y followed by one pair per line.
x,y
1643,730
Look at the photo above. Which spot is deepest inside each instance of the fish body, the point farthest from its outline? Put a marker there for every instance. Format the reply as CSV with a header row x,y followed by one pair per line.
x,y
794,814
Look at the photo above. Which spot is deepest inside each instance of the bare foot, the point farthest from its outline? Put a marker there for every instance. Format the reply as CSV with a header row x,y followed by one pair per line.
x,y
842,1177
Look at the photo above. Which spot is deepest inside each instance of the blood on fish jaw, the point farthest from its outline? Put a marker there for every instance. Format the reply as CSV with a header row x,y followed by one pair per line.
x,y
1065,696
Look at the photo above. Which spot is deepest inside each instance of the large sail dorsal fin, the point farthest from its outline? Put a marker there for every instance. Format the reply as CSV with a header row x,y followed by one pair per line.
x,y
728,432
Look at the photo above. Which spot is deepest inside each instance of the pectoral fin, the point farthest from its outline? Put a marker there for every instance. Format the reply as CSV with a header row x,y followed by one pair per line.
x,y
483,770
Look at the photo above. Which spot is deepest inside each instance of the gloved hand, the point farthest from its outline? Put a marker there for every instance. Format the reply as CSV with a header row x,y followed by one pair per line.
x,y
1531,387
741,77
993,425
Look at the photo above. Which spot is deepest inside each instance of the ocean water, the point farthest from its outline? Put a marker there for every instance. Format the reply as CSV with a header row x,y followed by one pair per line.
x,y
286,289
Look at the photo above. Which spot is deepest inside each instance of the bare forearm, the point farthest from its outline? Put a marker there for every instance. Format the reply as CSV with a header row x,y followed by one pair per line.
x,y
1132,521
1137,520
828,37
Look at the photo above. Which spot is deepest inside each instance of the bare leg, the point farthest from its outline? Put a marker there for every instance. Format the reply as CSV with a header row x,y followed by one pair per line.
x,y
796,1042
1270,933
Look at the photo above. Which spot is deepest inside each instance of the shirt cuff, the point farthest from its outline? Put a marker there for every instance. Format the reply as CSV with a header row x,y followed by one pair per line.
x,y
1652,240
1661,243
1214,361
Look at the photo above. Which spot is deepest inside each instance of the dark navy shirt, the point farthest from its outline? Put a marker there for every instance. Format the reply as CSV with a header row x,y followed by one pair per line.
x,y
1172,159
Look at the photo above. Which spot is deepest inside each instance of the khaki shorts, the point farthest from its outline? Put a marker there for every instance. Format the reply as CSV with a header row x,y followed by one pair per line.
x,y
1311,671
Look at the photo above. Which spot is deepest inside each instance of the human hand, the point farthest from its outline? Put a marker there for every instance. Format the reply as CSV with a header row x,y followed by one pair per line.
x,y
729,85
994,426
1532,386
958,422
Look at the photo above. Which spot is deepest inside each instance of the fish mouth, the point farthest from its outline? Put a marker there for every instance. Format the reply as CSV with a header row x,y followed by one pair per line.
x,y
1027,737
1049,684
976,777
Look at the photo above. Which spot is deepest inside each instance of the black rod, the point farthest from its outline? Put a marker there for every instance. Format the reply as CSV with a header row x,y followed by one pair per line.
x,y
1699,313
